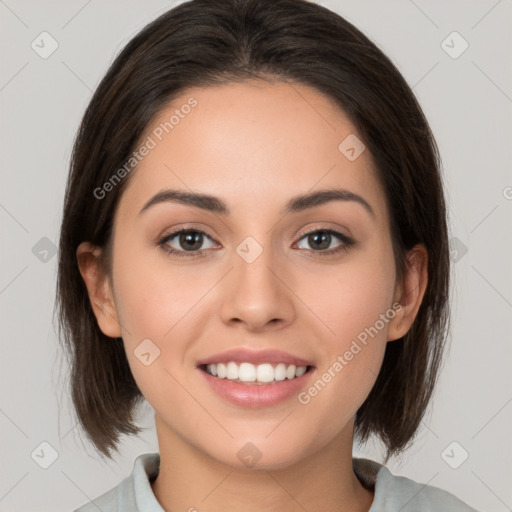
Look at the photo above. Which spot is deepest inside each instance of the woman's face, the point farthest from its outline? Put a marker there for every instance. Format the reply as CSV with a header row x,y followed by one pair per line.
x,y
249,276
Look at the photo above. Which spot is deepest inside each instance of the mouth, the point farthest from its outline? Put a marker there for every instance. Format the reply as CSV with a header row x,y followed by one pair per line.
x,y
256,378
255,374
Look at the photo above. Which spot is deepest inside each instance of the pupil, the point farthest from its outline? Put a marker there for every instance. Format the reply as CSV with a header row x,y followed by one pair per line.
x,y
323,237
188,239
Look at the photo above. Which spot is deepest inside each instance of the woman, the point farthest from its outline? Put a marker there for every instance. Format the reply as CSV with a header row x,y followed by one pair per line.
x,y
254,241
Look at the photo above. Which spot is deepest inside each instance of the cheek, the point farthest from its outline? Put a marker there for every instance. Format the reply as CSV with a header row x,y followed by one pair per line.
x,y
362,299
159,306
153,296
349,299
355,309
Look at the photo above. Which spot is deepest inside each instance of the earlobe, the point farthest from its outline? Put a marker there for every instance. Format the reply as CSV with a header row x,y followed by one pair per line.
x,y
410,293
98,288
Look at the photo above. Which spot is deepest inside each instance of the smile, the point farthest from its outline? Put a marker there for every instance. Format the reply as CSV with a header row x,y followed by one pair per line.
x,y
256,374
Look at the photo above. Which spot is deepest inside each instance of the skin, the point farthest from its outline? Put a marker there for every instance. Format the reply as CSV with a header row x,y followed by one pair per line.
x,y
254,145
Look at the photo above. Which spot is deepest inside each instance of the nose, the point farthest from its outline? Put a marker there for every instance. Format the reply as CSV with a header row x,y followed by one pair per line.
x,y
257,295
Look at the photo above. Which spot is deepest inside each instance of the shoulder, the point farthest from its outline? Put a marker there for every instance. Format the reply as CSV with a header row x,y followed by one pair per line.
x,y
106,502
119,498
409,495
393,493
133,493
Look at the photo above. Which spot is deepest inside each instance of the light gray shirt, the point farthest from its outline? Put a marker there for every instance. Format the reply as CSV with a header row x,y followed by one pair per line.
x,y
392,493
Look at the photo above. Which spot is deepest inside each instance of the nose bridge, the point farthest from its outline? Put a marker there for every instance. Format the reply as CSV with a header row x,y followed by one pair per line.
x,y
256,294
254,266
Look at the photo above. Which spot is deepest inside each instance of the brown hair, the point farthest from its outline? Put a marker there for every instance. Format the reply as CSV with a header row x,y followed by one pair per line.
x,y
207,42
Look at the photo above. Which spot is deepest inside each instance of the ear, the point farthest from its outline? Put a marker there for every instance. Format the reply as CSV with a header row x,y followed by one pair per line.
x,y
98,288
410,292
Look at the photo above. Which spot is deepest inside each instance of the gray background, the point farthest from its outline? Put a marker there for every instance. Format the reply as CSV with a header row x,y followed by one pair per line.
x,y
468,102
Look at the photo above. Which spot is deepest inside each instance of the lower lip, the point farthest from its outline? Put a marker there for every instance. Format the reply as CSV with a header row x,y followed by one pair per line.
x,y
254,395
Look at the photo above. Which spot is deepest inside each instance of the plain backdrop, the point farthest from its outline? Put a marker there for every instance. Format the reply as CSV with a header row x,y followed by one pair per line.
x,y
464,445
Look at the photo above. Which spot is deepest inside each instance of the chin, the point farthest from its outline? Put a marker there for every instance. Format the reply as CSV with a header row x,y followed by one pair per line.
x,y
260,455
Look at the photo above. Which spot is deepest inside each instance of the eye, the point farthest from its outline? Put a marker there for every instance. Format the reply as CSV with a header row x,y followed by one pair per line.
x,y
188,241
321,239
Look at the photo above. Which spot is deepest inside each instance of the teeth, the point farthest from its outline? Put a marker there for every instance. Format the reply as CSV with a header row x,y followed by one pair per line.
x,y
301,370
247,372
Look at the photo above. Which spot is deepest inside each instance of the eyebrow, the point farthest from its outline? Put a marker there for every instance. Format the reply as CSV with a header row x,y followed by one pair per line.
x,y
295,204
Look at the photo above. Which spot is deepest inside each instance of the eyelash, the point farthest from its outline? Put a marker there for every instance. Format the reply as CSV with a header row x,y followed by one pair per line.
x,y
344,247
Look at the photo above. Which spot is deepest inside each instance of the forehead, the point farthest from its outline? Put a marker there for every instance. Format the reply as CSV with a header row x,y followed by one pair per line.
x,y
251,142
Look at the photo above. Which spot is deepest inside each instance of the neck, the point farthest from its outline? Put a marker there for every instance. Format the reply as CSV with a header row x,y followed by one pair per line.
x,y
191,480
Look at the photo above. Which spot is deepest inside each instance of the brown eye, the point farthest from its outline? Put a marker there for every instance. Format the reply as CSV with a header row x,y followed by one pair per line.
x,y
185,241
321,239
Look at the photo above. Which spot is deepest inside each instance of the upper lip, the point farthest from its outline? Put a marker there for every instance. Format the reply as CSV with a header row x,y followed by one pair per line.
x,y
242,355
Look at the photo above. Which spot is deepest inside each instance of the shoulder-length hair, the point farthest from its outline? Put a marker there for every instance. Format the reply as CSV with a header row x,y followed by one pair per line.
x,y
209,42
